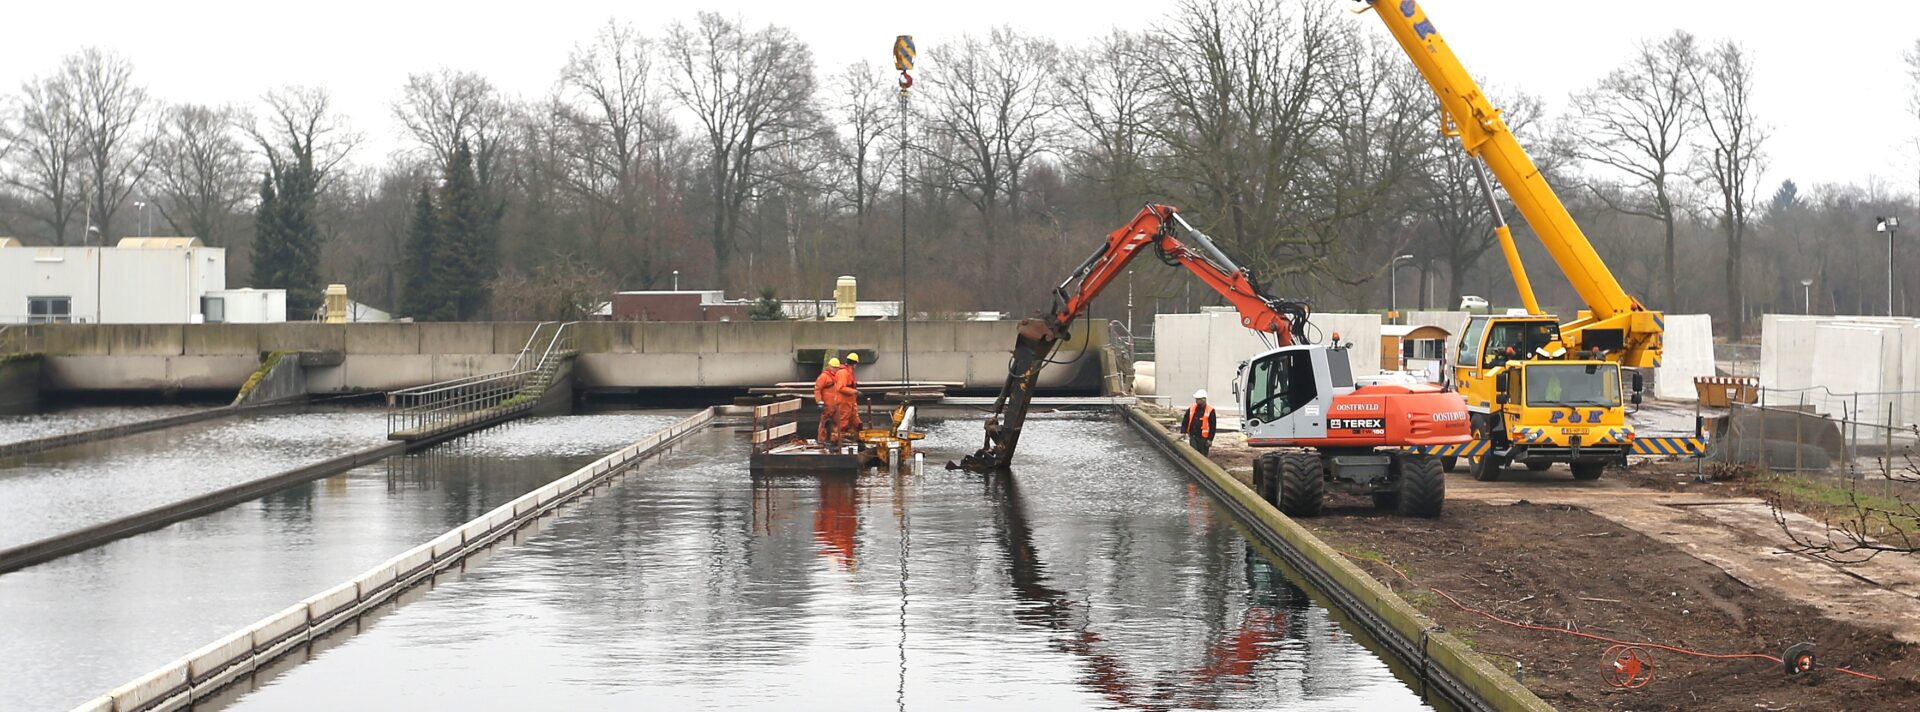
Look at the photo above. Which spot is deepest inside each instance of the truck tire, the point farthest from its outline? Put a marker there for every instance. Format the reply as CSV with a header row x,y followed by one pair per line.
x,y
1303,488
1588,470
1486,468
1538,466
1422,486
1450,463
1386,500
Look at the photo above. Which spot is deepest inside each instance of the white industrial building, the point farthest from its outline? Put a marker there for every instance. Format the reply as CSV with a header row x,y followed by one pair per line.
x,y
141,280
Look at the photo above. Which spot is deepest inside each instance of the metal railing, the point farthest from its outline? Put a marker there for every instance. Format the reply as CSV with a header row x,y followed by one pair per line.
x,y
423,410
1815,430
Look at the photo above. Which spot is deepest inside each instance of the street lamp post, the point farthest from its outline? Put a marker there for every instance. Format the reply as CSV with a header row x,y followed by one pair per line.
x,y
1393,286
146,228
1889,225
1806,296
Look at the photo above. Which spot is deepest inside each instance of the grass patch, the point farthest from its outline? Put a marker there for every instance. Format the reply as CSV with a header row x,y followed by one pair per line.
x,y
1831,501
259,374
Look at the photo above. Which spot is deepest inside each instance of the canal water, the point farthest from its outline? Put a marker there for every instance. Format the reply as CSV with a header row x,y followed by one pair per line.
x,y
73,419
1094,577
75,627
67,488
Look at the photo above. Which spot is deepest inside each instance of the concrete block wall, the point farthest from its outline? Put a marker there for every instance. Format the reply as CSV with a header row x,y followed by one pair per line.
x,y
1194,351
1829,358
1686,353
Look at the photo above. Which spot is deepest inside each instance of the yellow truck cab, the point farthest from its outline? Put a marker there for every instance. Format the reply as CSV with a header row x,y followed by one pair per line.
x,y
1536,406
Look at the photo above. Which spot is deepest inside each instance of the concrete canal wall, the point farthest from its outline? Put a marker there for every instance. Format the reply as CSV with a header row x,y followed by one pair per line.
x,y
614,356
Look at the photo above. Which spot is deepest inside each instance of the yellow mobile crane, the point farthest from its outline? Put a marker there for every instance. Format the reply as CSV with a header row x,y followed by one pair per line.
x,y
1540,391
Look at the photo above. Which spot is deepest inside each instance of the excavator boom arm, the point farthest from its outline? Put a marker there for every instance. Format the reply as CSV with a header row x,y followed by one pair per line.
x,y
1158,228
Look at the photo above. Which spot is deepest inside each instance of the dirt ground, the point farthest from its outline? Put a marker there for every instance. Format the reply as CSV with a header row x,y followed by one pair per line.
x,y
1562,566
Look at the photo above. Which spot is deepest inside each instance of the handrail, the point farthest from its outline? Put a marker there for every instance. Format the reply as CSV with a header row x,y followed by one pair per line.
x,y
422,410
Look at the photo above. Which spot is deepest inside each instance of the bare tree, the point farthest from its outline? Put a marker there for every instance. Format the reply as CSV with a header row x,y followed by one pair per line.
x,y
1732,159
1240,91
1109,105
446,109
864,108
613,126
1462,223
750,92
1638,120
46,154
115,140
993,101
202,171
300,128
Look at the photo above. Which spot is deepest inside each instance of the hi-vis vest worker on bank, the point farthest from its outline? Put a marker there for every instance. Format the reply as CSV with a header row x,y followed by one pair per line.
x,y
1200,423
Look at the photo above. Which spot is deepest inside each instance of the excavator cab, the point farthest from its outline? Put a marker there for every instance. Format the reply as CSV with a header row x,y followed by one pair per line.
x,y
1285,393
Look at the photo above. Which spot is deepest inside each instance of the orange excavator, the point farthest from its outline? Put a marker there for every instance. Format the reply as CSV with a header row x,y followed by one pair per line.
x,y
1296,397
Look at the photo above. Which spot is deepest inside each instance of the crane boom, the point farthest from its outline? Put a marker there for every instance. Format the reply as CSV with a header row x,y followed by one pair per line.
x,y
1155,228
1469,115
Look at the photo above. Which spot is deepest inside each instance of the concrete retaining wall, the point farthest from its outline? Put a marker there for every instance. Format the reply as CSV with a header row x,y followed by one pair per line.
x,y
199,674
1467,679
281,378
615,355
20,384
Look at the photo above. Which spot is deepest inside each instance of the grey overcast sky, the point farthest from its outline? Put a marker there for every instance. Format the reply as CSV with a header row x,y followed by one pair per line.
x,y
1831,83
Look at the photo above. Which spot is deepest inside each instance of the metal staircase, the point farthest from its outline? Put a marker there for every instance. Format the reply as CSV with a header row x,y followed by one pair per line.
x,y
475,401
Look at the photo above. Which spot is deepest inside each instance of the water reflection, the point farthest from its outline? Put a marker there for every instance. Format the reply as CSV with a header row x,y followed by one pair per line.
x,y
1091,579
80,625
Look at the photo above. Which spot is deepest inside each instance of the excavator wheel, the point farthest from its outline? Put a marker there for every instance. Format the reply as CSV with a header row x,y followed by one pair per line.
x,y
1422,486
1450,463
1587,470
1303,487
1536,466
1266,477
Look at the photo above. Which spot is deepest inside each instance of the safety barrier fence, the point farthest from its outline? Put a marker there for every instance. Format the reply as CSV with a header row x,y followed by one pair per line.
x,y
1440,660
199,674
1818,431
462,402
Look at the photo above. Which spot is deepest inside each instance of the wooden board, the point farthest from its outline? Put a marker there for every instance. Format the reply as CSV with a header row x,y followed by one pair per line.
x,y
774,433
785,406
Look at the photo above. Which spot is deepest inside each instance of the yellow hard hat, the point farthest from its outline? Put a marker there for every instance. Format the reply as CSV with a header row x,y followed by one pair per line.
x,y
833,363
853,356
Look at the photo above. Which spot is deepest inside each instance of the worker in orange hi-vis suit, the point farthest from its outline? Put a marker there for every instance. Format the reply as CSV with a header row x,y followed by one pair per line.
x,y
847,393
824,394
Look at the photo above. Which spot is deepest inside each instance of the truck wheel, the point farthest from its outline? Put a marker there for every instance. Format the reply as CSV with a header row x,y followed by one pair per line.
x,y
1486,468
1422,485
1588,470
1302,489
1538,466
1450,463
1265,476
1386,500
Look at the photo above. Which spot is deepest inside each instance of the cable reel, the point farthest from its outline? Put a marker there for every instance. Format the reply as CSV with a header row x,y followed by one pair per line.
x,y
1628,667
